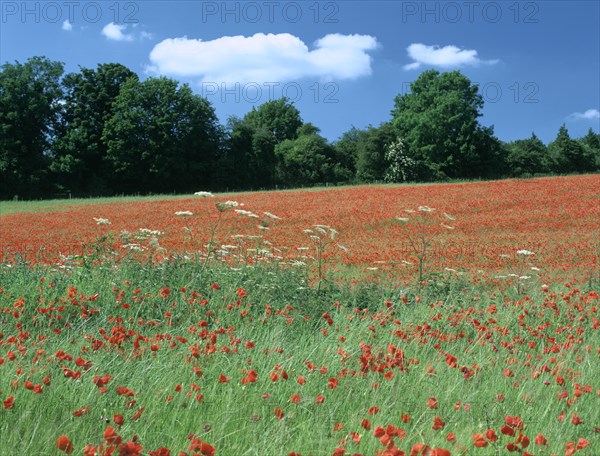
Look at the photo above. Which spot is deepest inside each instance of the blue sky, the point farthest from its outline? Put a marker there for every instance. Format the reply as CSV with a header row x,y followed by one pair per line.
x,y
342,62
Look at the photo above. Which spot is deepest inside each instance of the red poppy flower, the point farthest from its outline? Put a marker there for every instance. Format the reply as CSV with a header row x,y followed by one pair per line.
x,y
278,413
9,402
438,423
479,441
490,434
432,403
64,444
111,437
540,440
204,448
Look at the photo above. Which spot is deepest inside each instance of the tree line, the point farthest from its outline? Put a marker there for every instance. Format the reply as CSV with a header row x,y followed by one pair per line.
x,y
103,132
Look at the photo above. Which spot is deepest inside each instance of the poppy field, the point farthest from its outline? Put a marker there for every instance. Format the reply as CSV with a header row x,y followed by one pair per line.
x,y
450,319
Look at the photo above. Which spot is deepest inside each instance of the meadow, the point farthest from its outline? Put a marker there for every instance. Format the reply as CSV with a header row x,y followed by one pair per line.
x,y
447,319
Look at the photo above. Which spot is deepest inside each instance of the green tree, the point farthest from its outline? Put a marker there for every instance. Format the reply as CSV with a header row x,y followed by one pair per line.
x,y
346,151
253,140
30,101
591,145
280,118
79,153
528,157
370,152
568,154
309,159
161,137
438,121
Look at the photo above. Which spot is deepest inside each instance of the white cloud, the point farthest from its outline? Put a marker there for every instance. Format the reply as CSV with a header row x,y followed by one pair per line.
x,y
444,57
264,58
590,114
67,26
114,32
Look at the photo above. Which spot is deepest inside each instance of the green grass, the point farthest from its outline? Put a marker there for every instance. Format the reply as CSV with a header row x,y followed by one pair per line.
x,y
285,322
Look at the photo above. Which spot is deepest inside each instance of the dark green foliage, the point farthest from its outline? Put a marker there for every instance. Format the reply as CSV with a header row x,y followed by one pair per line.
x,y
30,101
528,157
79,153
306,160
370,152
160,138
438,121
569,155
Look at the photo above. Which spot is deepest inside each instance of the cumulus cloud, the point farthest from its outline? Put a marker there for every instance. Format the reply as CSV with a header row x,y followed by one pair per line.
x,y
67,26
114,32
590,114
444,57
264,58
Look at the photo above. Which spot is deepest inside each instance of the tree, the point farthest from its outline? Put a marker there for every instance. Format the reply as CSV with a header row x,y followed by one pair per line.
x,y
306,160
252,141
161,138
346,152
568,154
401,167
591,145
371,148
279,118
528,157
438,121
30,99
79,153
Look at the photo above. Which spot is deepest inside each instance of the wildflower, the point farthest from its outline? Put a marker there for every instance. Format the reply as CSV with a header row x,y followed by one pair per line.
x,y
403,219
449,217
184,213
101,221
273,216
278,413
231,203
525,252
204,194
426,209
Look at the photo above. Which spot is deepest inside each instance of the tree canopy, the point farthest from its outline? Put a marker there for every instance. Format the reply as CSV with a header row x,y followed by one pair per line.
x,y
103,131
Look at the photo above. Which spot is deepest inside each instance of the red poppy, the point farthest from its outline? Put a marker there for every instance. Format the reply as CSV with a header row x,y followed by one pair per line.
x,y
540,440
111,437
490,434
9,402
278,413
64,444
204,448
432,403
479,441
438,423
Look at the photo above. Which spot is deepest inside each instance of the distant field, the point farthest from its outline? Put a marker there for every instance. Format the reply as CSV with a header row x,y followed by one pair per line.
x,y
556,218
